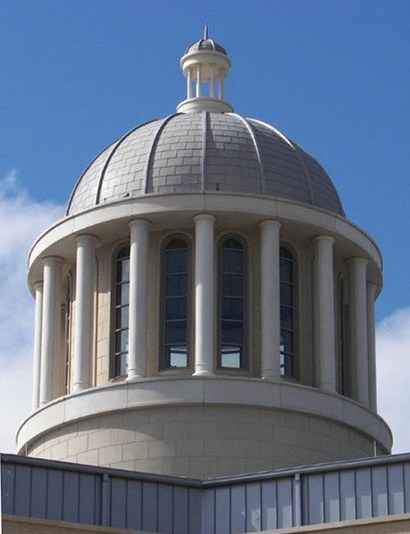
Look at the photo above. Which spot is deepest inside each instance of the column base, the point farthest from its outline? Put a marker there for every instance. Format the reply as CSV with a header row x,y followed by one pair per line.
x,y
203,372
135,376
270,378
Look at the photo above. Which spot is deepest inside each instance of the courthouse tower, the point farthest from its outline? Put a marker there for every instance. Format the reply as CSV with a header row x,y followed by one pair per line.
x,y
204,307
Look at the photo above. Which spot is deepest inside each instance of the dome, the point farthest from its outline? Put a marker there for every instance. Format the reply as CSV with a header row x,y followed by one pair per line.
x,y
204,152
205,44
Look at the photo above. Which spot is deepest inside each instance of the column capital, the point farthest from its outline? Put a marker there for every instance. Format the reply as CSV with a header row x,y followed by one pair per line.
x,y
38,284
323,238
139,222
204,217
357,260
47,260
371,286
86,237
270,222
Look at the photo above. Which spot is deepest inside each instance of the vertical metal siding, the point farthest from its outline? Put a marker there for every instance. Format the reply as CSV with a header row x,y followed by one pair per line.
x,y
331,497
285,498
269,505
253,507
166,507
234,505
238,524
134,504
38,495
149,506
54,494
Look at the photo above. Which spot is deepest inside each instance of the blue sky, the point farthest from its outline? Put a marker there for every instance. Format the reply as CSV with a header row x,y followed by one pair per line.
x,y
333,75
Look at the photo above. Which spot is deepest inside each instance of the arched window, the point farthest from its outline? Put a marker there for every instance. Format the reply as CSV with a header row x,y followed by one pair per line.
x,y
287,313
175,303
120,311
232,304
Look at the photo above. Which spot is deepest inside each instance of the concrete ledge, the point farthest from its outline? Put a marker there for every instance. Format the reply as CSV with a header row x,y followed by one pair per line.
x,y
59,240
28,525
191,391
372,525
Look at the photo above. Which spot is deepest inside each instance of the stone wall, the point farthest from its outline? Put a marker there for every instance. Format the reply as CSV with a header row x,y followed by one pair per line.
x,y
200,441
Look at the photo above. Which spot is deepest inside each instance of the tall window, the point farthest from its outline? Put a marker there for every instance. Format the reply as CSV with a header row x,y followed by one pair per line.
x,y
175,303
120,312
232,304
287,312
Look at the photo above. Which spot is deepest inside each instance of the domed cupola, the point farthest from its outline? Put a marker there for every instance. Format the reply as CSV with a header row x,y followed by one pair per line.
x,y
205,64
205,307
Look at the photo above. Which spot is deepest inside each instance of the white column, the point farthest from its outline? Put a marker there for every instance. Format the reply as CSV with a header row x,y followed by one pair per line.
x,y
199,81
358,310
50,328
325,313
371,344
137,333
189,84
270,300
84,312
221,87
38,288
212,82
204,295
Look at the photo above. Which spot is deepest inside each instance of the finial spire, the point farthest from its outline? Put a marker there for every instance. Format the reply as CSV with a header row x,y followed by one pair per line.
x,y
206,32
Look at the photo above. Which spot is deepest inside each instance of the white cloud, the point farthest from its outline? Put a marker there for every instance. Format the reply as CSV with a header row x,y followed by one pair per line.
x,y
393,375
21,221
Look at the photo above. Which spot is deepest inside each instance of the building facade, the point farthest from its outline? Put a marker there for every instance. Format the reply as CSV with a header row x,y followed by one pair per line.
x,y
205,307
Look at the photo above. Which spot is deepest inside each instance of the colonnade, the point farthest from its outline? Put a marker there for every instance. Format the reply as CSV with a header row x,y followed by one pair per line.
x,y
48,296
195,74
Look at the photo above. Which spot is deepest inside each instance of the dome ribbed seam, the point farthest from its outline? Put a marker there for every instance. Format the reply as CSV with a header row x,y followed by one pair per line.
x,y
251,132
302,163
205,120
101,179
151,151
80,179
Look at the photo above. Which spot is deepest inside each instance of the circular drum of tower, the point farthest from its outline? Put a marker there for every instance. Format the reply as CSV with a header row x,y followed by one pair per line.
x,y
205,307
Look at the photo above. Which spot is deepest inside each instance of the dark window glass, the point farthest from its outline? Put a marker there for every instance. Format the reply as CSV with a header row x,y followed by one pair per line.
x,y
232,308
286,317
176,308
286,294
175,332
176,261
121,317
123,270
287,310
176,284
175,305
121,311
123,294
286,270
232,304
232,285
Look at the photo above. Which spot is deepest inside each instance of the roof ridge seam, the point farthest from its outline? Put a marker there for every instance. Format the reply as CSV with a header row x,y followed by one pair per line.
x,y
251,131
148,161
205,121
117,144
295,149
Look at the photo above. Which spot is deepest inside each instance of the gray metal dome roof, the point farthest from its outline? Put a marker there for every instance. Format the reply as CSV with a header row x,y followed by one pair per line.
x,y
206,44
198,152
